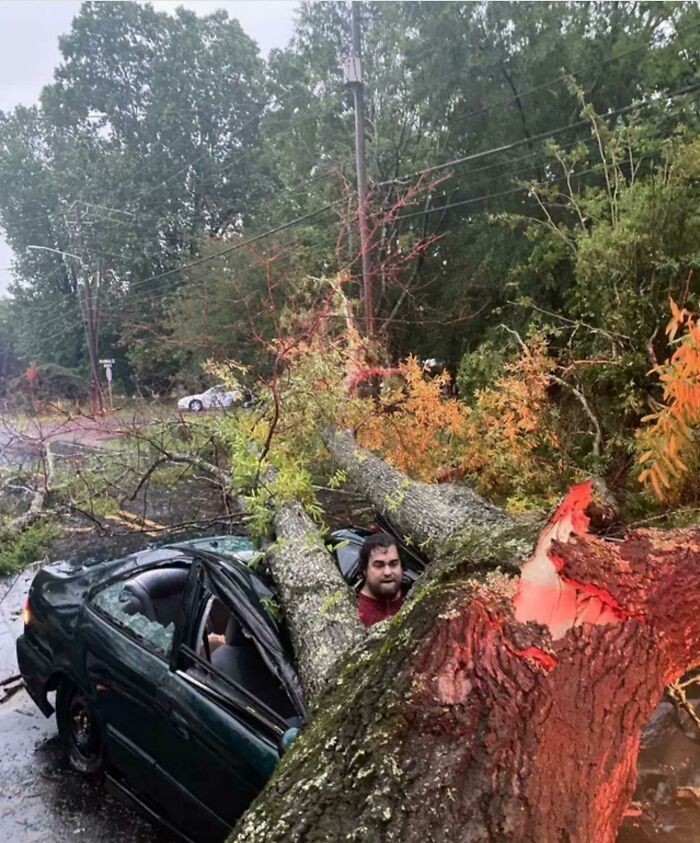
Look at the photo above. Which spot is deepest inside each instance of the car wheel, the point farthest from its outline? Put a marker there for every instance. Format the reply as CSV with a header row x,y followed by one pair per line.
x,y
79,730
196,405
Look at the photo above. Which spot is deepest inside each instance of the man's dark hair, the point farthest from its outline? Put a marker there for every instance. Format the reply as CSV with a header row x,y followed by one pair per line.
x,y
371,543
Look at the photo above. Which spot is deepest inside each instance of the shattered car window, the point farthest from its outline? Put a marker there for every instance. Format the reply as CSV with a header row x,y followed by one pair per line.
x,y
114,601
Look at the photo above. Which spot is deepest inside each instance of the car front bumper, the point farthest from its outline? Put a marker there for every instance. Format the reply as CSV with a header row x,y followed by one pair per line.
x,y
36,671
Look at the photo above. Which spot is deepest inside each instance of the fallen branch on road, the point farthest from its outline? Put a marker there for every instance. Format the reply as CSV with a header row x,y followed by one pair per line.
x,y
41,493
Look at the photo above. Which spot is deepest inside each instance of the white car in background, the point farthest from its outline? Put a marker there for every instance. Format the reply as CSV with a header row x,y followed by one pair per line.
x,y
215,396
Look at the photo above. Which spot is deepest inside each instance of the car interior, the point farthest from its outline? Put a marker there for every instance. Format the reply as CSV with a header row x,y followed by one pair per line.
x,y
156,594
232,652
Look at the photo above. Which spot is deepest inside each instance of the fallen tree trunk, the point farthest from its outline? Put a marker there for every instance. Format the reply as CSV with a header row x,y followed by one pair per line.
x,y
430,514
319,606
493,708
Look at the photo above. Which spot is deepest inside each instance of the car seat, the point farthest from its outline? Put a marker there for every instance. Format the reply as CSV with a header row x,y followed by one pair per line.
x,y
240,660
156,594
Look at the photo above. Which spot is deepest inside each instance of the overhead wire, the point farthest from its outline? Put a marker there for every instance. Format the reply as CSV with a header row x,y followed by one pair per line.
x,y
475,156
556,80
568,74
206,258
240,245
472,200
510,174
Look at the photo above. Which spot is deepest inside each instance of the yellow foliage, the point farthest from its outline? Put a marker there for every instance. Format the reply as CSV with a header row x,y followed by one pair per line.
x,y
668,442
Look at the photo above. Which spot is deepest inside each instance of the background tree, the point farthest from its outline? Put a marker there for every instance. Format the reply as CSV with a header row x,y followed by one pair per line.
x,y
151,131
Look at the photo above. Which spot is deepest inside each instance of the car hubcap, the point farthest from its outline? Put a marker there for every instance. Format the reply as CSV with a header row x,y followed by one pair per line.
x,y
83,729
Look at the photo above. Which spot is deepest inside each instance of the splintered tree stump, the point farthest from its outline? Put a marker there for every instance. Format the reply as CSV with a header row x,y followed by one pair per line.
x,y
497,708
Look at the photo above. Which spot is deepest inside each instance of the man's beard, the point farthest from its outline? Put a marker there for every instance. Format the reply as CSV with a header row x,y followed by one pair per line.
x,y
385,590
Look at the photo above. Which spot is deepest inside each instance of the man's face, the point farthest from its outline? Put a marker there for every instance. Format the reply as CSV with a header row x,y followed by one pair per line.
x,y
383,578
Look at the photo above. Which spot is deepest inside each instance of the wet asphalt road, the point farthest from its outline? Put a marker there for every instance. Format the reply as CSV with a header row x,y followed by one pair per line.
x,y
41,799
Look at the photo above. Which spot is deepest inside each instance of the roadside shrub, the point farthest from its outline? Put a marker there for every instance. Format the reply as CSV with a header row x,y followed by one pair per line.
x,y
479,368
18,551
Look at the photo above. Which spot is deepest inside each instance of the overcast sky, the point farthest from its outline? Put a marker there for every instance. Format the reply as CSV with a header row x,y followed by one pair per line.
x,y
29,31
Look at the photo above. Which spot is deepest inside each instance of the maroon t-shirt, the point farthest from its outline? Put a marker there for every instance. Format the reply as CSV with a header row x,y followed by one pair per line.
x,y
372,610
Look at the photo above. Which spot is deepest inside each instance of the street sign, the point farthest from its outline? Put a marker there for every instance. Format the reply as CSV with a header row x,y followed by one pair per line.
x,y
108,362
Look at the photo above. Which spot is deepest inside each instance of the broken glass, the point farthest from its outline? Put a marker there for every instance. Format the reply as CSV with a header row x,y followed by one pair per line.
x,y
113,601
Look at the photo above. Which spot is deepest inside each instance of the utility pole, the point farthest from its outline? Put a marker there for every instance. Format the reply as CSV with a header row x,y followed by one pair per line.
x,y
352,68
92,308
89,298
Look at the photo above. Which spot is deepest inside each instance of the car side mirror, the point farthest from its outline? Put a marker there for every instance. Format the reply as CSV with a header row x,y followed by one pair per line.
x,y
287,738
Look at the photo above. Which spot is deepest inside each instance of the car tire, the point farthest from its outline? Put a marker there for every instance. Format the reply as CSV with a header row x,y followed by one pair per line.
x,y
79,730
196,406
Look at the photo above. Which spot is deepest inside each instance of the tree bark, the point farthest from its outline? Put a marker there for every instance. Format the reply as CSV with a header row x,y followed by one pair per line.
x,y
431,515
492,708
319,606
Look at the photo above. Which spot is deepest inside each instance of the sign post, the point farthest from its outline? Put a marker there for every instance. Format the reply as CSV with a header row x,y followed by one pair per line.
x,y
108,363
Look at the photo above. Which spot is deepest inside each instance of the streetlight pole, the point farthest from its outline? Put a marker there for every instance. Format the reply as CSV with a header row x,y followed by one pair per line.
x,y
353,77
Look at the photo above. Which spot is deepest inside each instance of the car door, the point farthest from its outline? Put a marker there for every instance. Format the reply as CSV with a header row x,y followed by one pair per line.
x,y
220,743
128,668
212,397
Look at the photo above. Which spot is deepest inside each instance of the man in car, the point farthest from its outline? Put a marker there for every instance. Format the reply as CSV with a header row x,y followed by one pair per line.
x,y
380,596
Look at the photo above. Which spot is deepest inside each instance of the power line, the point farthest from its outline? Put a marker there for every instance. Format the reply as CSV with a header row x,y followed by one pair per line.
x,y
475,156
478,155
564,76
519,189
298,220
470,201
110,311
241,245
512,173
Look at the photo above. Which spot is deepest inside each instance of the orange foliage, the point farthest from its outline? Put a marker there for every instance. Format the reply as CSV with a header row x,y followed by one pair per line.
x,y
668,443
31,375
511,446
505,444
413,424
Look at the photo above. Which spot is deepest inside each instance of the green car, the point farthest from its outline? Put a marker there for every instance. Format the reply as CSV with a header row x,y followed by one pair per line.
x,y
172,676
